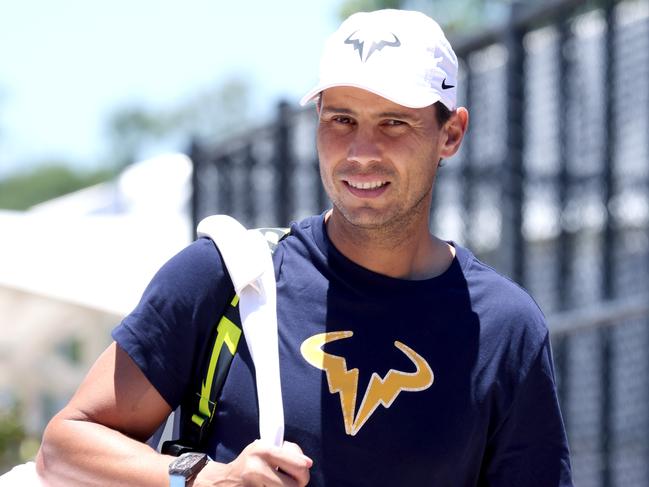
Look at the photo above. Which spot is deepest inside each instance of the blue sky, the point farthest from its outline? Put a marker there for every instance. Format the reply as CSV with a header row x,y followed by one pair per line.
x,y
65,65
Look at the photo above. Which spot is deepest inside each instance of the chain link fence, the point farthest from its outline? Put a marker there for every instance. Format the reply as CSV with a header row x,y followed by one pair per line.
x,y
551,187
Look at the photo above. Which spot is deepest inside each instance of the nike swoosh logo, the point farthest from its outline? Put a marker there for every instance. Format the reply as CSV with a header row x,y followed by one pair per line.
x,y
445,86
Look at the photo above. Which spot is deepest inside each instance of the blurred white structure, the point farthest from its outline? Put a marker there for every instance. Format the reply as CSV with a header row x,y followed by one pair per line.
x,y
72,267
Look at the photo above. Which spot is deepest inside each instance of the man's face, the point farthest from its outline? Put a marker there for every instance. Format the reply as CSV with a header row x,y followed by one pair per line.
x,y
378,159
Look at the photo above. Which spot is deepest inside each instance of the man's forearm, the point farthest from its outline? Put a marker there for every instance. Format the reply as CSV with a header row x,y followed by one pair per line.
x,y
79,453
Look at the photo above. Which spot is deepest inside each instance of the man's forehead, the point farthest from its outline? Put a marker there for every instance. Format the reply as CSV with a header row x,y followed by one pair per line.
x,y
352,93
349,99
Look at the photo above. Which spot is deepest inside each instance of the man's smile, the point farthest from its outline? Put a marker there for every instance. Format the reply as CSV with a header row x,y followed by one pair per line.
x,y
366,189
366,184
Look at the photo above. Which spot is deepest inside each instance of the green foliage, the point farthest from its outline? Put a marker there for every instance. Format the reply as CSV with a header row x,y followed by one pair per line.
x,y
349,7
129,128
455,16
12,434
218,112
25,189
215,113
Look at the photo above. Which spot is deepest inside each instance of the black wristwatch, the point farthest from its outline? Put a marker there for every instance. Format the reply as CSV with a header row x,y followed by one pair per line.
x,y
185,468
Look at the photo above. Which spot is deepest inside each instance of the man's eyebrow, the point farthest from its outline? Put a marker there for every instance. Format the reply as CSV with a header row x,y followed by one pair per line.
x,y
346,111
398,115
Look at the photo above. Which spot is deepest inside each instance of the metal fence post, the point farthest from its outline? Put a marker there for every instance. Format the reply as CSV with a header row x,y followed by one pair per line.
x,y
564,181
608,170
249,164
224,184
513,189
283,162
468,178
608,244
566,241
195,156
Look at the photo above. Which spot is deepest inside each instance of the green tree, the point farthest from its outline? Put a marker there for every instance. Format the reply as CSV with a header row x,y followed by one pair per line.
x,y
12,434
2,96
454,15
349,7
46,181
218,112
129,129
214,113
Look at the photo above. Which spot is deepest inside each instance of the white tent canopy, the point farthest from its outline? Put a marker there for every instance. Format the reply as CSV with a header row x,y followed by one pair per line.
x,y
71,268
99,247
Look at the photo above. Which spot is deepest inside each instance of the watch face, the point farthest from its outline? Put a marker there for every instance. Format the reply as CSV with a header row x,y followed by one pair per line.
x,y
188,464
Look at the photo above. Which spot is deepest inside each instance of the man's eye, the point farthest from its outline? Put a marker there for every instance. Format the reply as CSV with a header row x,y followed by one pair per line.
x,y
343,120
392,122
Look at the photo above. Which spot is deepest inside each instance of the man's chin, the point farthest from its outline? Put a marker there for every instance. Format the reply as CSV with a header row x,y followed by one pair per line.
x,y
365,218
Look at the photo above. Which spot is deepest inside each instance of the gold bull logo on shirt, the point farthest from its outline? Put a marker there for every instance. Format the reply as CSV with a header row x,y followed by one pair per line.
x,y
380,391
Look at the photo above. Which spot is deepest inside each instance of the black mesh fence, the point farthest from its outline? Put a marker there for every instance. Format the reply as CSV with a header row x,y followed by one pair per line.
x,y
551,187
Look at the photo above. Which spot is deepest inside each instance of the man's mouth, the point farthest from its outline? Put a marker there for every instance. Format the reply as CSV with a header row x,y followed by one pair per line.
x,y
367,185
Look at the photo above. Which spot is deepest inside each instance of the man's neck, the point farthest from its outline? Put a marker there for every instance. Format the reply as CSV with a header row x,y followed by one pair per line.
x,y
408,252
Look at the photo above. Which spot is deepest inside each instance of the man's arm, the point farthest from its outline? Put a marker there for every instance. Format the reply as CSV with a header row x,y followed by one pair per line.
x,y
99,434
530,446
97,439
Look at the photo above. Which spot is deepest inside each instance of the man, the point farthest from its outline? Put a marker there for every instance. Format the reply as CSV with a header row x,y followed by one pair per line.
x,y
404,360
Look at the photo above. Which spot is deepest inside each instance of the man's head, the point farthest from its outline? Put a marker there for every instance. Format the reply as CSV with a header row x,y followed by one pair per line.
x,y
387,115
399,55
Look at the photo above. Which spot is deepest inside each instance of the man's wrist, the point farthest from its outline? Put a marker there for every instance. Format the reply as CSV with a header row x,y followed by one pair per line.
x,y
183,469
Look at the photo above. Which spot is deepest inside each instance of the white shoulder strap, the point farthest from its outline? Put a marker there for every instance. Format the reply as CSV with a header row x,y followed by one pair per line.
x,y
249,263
24,475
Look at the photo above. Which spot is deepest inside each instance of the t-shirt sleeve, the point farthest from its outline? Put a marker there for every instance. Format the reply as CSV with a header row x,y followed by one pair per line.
x,y
530,446
167,331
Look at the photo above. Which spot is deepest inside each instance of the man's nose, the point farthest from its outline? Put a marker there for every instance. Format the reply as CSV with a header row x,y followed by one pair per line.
x,y
364,147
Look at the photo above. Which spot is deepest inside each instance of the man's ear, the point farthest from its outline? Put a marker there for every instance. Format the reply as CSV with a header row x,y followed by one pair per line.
x,y
453,132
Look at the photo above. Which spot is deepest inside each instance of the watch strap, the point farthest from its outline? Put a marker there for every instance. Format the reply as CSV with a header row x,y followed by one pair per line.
x,y
177,481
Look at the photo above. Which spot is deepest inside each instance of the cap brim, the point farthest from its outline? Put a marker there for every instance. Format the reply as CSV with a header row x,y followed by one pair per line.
x,y
413,99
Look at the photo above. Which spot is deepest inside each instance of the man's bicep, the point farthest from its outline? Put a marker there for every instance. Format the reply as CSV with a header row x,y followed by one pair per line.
x,y
116,394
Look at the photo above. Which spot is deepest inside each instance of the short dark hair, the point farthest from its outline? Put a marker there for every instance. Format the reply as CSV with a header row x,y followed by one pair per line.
x,y
442,113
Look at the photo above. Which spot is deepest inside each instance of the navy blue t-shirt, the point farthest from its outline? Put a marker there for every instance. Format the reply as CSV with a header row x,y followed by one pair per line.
x,y
444,382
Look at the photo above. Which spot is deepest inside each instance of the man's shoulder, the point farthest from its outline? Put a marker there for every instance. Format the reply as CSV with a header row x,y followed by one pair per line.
x,y
512,328
194,252
505,304
494,283
194,271
307,224
304,233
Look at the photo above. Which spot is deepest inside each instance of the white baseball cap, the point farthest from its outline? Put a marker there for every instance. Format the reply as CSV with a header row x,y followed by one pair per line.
x,y
397,54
